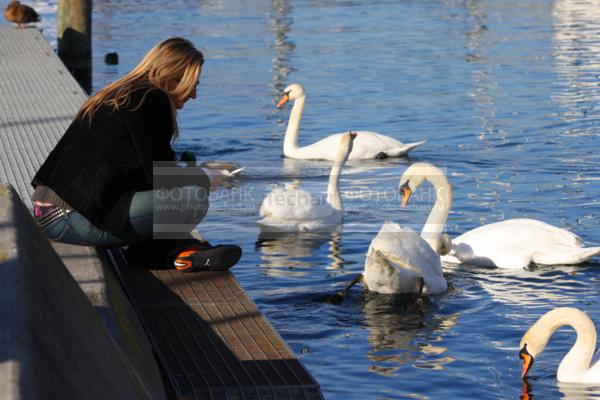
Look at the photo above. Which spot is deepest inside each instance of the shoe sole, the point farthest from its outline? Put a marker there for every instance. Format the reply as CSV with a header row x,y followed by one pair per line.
x,y
218,258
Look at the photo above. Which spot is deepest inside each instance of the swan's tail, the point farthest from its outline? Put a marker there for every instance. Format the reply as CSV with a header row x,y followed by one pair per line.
x,y
402,150
567,255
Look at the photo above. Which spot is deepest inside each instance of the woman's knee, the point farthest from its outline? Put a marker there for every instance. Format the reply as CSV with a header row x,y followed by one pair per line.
x,y
181,204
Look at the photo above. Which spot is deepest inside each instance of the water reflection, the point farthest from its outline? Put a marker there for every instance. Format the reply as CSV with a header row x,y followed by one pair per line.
x,y
577,60
294,168
485,86
573,391
47,25
281,23
296,254
399,337
534,287
569,391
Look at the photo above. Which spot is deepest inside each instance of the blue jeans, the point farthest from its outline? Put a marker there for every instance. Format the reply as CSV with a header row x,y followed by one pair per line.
x,y
149,210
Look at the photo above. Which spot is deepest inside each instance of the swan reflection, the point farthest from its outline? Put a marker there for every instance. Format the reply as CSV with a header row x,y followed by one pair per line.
x,y
287,254
572,391
576,52
524,288
281,26
398,337
569,391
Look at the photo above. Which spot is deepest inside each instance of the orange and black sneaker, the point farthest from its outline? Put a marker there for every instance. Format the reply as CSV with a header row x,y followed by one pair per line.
x,y
200,257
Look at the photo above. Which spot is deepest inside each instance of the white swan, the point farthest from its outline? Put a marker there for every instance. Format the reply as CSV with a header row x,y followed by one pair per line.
x,y
367,145
513,244
295,210
516,243
575,366
398,259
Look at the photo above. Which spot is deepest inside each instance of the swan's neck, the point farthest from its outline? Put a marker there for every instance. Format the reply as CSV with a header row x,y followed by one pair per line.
x,y
435,224
333,192
290,142
577,361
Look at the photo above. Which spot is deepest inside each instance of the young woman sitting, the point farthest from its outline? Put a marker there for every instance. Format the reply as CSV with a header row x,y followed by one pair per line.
x,y
112,180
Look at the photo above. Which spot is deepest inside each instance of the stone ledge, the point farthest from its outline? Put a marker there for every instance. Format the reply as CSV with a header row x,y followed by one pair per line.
x,y
52,342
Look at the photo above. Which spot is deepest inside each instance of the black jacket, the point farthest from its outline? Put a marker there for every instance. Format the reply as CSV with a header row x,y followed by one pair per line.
x,y
96,168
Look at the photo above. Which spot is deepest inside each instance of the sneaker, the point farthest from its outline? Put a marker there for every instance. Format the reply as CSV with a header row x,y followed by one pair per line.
x,y
207,258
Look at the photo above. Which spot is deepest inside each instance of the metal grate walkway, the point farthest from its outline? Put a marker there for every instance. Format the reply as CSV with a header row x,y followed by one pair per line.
x,y
212,339
38,100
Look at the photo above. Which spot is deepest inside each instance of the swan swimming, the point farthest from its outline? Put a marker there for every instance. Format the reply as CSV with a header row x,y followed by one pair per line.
x,y
575,366
516,243
368,145
295,210
399,260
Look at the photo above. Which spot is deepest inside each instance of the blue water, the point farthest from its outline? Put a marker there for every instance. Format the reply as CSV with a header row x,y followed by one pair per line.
x,y
507,95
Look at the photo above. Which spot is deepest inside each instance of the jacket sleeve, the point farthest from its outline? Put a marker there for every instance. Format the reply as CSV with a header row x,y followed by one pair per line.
x,y
150,128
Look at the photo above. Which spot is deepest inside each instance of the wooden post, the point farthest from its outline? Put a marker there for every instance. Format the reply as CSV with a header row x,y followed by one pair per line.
x,y
74,32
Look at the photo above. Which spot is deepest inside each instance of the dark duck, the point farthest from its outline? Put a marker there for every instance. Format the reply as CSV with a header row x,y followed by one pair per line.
x,y
20,14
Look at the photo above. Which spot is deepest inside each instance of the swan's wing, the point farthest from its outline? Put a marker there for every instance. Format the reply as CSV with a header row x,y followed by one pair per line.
x,y
324,149
294,204
407,256
565,255
382,275
528,232
269,202
550,233
403,242
366,145
371,144
488,256
515,243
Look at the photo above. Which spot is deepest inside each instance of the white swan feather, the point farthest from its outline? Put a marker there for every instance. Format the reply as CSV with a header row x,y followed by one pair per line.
x,y
516,243
397,258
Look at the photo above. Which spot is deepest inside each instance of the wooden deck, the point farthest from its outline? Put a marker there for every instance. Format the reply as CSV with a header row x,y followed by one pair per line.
x,y
210,338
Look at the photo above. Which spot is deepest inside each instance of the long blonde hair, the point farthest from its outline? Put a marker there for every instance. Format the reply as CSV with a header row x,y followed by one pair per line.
x,y
173,66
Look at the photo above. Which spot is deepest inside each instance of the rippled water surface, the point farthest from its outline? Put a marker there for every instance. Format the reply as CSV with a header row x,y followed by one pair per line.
x,y
507,95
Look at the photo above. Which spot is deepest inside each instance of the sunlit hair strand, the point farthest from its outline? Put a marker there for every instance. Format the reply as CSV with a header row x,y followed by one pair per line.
x,y
173,66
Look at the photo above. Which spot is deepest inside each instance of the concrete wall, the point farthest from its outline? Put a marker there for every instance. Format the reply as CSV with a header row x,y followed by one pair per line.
x,y
53,344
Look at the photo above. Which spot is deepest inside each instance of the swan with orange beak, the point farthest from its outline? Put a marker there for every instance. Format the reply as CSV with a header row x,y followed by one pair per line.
x,y
575,366
399,260
368,145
